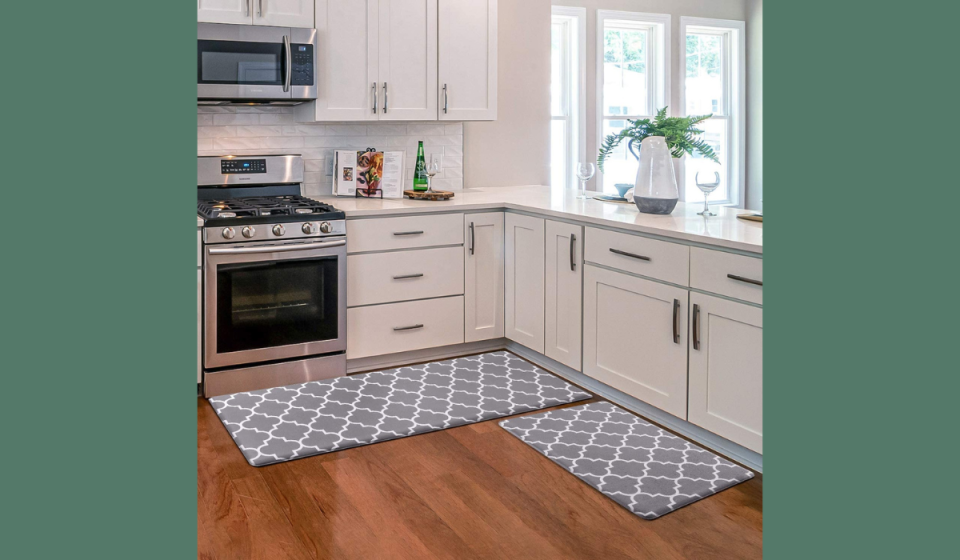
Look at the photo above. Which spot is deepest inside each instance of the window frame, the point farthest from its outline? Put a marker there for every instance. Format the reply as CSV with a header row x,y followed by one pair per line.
x,y
658,58
733,74
574,67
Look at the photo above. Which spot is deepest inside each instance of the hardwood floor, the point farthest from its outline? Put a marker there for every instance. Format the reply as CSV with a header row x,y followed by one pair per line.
x,y
473,492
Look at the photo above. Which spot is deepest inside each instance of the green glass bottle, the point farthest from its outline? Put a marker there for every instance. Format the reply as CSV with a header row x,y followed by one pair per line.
x,y
420,173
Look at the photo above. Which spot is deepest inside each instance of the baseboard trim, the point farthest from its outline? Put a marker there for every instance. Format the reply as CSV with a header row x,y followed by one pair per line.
x,y
373,363
736,452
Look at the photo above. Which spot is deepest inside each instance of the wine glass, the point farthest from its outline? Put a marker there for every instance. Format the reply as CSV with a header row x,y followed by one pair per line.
x,y
585,172
432,169
707,185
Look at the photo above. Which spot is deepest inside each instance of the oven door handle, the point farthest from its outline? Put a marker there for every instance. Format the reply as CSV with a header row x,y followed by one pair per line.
x,y
275,248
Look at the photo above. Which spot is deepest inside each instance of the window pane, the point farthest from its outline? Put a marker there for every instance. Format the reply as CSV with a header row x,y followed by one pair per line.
x,y
558,151
624,71
703,91
620,166
715,134
556,72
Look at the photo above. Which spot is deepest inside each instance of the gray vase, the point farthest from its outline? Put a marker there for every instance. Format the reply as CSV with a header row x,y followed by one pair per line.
x,y
655,191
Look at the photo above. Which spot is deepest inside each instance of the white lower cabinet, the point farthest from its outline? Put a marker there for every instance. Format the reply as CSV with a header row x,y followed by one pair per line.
x,y
400,327
563,276
523,285
483,276
635,337
726,369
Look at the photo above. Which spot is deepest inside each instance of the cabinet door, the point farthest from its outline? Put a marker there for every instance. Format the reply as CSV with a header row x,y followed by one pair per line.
x,y
225,11
347,42
467,62
563,284
726,369
483,276
635,337
199,325
283,13
408,60
523,289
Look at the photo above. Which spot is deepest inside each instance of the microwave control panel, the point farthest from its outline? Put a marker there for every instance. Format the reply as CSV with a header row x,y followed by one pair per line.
x,y
242,166
302,74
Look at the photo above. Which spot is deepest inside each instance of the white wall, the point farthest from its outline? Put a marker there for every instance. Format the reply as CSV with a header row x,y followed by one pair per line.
x,y
754,104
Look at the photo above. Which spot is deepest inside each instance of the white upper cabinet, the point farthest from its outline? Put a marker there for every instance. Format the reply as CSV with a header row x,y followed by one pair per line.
x,y
225,11
283,13
483,276
347,62
563,284
408,60
467,60
635,337
523,289
726,369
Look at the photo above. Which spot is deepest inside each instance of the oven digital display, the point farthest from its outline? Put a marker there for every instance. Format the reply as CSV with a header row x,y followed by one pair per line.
x,y
232,166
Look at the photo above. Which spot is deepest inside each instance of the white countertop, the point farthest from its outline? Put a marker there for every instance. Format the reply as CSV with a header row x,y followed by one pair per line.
x,y
722,230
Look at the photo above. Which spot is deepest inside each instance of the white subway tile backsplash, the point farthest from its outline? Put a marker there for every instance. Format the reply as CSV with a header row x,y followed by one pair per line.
x,y
272,130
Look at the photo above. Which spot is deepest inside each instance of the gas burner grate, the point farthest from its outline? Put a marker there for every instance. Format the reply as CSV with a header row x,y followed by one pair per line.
x,y
262,206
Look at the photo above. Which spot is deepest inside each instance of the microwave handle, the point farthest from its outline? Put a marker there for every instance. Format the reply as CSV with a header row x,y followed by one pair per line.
x,y
288,63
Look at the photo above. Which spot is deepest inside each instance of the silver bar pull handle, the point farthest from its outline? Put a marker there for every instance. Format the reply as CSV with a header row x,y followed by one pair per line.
x,y
472,238
274,248
288,63
676,321
444,98
384,97
259,8
696,327
408,233
376,97
631,255
573,251
410,328
247,8
406,276
747,280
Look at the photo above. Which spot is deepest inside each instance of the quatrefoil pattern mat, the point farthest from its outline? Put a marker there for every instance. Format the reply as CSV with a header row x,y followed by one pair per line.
x,y
285,423
647,470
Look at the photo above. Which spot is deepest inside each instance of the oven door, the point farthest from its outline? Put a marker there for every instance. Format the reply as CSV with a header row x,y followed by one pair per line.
x,y
266,302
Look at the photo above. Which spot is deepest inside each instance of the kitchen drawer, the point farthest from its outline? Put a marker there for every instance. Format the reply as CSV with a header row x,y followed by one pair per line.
x,y
399,327
711,271
403,276
665,261
385,234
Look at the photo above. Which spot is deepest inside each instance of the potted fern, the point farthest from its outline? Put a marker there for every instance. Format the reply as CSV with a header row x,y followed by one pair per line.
x,y
655,190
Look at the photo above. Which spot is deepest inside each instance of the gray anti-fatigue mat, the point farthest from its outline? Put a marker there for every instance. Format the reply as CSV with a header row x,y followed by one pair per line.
x,y
286,423
647,470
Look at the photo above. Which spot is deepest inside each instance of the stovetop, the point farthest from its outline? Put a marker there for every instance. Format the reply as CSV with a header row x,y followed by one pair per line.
x,y
264,210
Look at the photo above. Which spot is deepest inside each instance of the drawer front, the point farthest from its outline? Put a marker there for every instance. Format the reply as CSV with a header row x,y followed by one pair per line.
x,y
665,261
385,234
727,274
403,276
399,327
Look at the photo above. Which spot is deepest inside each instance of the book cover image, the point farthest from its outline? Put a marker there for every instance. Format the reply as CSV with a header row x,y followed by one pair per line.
x,y
369,172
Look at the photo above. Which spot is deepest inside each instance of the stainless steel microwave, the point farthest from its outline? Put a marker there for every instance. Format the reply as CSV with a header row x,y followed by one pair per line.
x,y
252,64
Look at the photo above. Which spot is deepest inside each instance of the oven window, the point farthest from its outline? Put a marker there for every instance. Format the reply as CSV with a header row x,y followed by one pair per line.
x,y
234,62
262,305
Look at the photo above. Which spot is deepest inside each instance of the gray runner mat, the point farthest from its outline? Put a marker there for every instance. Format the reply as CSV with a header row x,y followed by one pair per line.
x,y
285,423
647,470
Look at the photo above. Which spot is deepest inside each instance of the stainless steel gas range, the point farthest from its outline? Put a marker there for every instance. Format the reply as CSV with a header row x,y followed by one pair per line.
x,y
274,276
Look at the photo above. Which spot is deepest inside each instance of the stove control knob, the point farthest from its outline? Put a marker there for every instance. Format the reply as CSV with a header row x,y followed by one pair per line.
x,y
325,227
278,230
249,231
309,228
228,233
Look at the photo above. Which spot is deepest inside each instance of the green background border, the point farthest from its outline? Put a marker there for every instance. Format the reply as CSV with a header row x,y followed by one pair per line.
x,y
98,345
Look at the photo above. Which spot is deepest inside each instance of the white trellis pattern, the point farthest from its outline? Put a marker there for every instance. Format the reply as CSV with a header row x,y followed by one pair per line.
x,y
285,423
647,470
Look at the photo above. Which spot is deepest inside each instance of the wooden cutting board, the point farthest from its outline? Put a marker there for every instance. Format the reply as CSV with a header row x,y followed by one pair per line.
x,y
423,195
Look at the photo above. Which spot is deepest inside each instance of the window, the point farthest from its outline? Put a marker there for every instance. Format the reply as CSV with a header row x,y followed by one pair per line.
x,y
633,82
714,83
567,99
